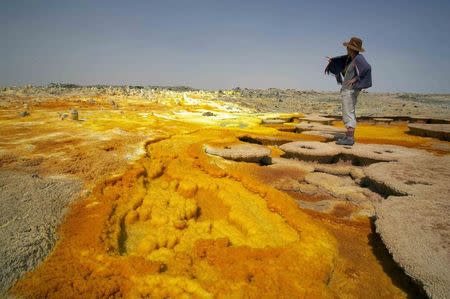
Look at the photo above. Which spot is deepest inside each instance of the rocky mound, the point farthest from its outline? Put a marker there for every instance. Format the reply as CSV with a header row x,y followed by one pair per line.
x,y
326,131
440,131
359,154
265,140
318,119
311,151
318,127
239,152
412,219
415,228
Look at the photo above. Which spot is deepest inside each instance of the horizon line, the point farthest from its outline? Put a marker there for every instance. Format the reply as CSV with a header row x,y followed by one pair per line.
x,y
191,88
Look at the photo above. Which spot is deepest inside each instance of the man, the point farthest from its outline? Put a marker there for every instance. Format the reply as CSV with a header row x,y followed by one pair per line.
x,y
357,75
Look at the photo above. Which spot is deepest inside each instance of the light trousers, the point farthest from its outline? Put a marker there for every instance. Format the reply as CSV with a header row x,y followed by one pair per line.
x,y
349,99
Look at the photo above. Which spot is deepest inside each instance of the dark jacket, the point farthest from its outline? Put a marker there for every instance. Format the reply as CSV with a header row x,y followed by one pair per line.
x,y
337,65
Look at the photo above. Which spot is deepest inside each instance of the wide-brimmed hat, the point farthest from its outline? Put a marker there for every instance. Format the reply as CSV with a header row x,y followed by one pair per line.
x,y
355,44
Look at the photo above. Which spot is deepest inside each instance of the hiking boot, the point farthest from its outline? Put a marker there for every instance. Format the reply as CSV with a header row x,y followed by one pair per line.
x,y
346,141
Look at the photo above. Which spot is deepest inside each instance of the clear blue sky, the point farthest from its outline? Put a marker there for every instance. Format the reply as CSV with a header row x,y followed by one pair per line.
x,y
222,44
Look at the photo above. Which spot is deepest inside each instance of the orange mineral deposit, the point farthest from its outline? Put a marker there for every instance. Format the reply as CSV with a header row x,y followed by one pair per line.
x,y
167,220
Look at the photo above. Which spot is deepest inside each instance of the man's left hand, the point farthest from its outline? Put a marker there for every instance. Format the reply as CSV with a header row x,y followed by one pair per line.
x,y
351,82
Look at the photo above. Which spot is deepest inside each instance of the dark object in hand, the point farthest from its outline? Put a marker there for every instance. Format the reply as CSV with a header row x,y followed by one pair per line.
x,y
336,66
